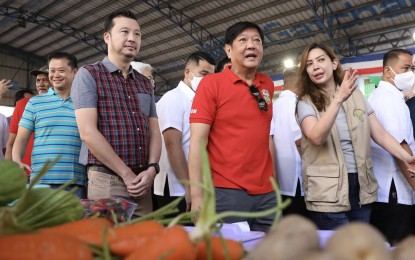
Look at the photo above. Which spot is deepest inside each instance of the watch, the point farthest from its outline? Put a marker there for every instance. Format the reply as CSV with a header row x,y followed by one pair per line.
x,y
155,165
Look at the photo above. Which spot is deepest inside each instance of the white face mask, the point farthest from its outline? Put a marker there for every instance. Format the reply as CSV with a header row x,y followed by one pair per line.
x,y
404,81
195,82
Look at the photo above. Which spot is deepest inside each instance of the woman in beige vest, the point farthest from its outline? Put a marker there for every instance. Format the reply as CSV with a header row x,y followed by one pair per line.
x,y
337,124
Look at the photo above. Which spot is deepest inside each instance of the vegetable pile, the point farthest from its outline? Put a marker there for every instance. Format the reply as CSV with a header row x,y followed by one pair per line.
x,y
35,208
52,223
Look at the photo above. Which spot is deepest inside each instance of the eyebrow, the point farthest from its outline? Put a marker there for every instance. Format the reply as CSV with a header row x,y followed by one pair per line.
x,y
129,28
58,68
317,57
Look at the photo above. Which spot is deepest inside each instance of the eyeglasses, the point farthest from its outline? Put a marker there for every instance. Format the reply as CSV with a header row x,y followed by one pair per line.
x,y
261,101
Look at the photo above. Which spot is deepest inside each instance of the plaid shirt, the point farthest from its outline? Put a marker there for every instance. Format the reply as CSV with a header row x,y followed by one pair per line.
x,y
124,107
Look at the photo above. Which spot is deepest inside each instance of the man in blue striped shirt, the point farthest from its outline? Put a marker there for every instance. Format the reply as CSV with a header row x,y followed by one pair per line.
x,y
52,119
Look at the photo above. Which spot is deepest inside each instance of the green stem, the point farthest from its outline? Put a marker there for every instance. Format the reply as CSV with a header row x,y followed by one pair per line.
x,y
105,245
166,210
185,215
46,167
29,210
224,246
278,195
34,215
259,214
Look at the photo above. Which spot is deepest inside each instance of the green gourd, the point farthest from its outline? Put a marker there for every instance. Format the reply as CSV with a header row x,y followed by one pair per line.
x,y
12,182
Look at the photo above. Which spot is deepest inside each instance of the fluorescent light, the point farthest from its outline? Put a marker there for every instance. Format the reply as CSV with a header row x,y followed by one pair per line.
x,y
288,63
413,36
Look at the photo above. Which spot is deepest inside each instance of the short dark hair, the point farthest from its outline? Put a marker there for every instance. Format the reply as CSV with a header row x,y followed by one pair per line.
x,y
236,29
221,64
200,55
290,72
73,62
109,22
20,95
394,54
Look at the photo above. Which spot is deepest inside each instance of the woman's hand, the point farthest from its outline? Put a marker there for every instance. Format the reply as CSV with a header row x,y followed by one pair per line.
x,y
348,85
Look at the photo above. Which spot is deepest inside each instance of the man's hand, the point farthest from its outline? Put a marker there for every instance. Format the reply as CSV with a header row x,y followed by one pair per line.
x,y
4,86
23,166
142,183
410,165
196,203
129,178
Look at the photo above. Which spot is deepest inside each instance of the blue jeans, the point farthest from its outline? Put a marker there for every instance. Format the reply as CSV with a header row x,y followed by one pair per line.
x,y
80,191
330,221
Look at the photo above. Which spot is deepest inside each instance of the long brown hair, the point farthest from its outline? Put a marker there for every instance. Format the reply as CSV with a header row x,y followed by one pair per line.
x,y
306,87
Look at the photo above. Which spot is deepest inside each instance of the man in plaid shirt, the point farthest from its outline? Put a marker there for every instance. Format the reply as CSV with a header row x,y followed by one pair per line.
x,y
117,119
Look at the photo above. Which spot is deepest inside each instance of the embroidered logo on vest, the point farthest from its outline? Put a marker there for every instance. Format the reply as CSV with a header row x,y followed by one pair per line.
x,y
359,113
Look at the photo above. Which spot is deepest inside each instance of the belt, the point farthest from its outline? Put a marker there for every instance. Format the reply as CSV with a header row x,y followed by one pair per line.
x,y
104,169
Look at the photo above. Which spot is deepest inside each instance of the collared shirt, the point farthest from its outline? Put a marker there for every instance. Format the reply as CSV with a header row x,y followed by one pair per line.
x,y
14,126
52,119
173,110
124,106
390,108
238,144
286,132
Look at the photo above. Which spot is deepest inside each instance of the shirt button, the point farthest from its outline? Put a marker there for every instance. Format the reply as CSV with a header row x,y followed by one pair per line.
x,y
141,165
138,129
133,112
139,148
129,97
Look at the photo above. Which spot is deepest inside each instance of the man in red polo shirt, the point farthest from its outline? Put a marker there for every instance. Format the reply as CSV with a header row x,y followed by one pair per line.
x,y
42,87
232,110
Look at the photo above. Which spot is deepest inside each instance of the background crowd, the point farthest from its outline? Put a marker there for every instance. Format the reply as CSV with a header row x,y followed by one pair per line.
x,y
337,156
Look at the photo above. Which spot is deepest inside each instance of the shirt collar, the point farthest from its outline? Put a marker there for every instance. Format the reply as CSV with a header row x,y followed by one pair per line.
x,y
51,92
235,78
391,89
190,94
112,68
287,93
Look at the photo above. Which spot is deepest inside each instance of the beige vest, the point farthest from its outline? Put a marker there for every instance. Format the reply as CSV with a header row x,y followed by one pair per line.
x,y
325,178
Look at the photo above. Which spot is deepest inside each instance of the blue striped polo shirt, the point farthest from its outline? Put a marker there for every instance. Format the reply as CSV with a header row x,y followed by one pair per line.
x,y
52,119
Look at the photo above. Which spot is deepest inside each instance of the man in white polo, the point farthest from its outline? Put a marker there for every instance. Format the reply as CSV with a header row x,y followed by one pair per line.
x,y
287,141
393,212
173,110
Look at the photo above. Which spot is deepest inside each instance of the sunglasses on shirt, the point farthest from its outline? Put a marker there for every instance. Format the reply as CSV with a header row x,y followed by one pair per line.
x,y
261,101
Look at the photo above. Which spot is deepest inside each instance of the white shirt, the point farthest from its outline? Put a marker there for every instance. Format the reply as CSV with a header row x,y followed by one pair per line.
x,y
4,134
286,131
173,111
390,108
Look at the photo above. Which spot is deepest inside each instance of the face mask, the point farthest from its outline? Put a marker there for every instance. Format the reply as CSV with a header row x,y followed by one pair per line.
x,y
195,82
404,81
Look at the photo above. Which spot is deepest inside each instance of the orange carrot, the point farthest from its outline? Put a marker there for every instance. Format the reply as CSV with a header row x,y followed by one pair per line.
x,y
43,246
171,244
88,230
124,247
149,227
235,249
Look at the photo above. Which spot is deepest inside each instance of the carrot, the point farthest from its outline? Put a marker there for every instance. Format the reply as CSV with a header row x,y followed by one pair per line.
x,y
43,246
88,230
124,247
235,250
171,244
149,227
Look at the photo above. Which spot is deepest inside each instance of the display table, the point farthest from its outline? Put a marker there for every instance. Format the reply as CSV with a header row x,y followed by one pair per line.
x,y
240,232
